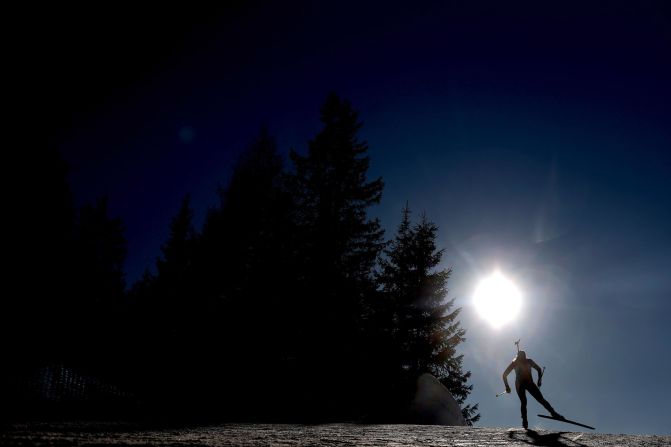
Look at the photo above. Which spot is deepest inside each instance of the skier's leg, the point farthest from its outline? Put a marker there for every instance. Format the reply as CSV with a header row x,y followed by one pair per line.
x,y
536,393
521,393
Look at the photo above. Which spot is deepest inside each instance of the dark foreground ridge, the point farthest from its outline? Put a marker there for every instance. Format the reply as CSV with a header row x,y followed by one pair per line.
x,y
310,435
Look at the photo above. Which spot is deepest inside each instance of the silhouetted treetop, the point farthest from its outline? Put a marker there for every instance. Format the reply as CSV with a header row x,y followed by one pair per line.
x,y
178,249
333,194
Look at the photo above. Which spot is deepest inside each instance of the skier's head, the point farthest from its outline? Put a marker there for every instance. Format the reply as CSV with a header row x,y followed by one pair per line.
x,y
521,355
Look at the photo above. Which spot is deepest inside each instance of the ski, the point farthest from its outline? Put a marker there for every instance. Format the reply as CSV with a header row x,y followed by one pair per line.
x,y
566,420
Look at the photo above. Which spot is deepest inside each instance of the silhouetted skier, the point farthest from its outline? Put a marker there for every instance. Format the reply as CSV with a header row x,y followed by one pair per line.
x,y
525,382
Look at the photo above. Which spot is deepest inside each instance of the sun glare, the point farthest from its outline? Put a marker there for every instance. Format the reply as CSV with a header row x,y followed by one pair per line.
x,y
497,300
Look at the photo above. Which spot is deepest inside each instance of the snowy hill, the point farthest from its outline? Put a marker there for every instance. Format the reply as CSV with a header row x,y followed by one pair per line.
x,y
300,435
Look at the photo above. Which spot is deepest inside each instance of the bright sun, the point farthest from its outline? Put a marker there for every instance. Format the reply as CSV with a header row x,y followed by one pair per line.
x,y
497,300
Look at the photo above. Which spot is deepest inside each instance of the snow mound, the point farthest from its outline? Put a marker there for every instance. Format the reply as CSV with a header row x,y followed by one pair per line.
x,y
433,403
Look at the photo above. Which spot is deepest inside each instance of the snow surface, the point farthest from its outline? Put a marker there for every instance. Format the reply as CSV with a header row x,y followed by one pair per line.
x,y
254,435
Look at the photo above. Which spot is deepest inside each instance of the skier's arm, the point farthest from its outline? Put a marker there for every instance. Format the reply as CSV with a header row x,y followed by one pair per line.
x,y
535,366
505,375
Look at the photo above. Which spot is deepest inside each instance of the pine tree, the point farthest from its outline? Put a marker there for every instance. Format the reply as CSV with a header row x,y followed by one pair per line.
x,y
244,238
173,282
178,250
102,248
100,289
242,229
243,271
172,315
334,194
255,208
427,329
396,279
338,246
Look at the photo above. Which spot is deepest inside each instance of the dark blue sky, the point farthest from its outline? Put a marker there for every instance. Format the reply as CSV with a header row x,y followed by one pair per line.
x,y
537,137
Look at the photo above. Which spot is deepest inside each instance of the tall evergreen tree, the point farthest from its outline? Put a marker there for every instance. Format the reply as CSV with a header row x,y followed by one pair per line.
x,y
174,279
242,263
100,288
171,317
237,232
178,250
255,207
428,331
243,237
102,247
397,279
338,246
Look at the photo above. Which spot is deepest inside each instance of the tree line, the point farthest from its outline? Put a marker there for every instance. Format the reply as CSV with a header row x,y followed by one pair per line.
x,y
288,304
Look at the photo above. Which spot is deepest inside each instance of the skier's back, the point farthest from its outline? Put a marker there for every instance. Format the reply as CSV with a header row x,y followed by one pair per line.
x,y
522,366
524,382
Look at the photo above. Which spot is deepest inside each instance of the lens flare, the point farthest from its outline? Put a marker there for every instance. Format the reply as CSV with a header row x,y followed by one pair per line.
x,y
497,300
